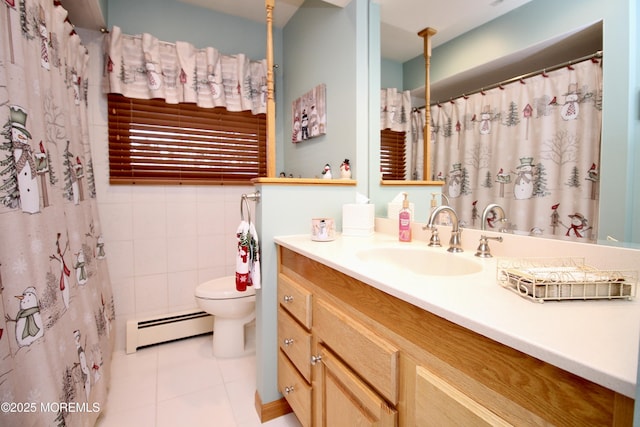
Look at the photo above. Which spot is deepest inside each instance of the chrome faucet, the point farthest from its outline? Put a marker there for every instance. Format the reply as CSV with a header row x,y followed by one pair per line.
x,y
492,207
454,242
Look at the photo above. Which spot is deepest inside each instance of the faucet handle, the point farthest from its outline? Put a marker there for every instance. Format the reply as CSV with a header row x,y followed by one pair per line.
x,y
483,250
434,241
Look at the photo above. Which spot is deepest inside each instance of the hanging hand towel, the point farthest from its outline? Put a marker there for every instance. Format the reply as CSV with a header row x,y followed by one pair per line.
x,y
247,260
255,260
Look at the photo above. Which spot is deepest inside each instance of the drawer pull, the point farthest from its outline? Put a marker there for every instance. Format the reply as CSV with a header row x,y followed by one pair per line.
x,y
316,359
288,390
288,298
288,342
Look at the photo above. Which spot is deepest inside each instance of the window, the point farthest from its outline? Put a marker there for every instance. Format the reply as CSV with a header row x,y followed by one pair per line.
x,y
392,154
152,142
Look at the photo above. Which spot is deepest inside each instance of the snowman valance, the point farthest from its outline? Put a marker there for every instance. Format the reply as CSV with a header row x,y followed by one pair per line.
x,y
143,67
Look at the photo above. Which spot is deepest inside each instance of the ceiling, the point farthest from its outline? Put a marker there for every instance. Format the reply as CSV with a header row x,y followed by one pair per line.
x,y
401,19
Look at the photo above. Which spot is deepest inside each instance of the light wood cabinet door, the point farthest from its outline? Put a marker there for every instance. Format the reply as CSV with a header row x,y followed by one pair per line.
x,y
365,351
295,389
344,400
439,404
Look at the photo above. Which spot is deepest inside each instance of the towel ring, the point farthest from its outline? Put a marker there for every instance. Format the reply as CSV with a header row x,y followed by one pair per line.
x,y
244,203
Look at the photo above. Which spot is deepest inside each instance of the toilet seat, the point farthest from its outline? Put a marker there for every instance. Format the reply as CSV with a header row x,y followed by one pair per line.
x,y
221,289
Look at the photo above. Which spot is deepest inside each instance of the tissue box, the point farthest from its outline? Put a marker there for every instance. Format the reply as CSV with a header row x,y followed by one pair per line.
x,y
393,210
358,219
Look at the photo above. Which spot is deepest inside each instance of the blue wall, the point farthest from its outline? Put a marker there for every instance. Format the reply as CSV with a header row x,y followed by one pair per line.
x,y
392,74
541,20
321,44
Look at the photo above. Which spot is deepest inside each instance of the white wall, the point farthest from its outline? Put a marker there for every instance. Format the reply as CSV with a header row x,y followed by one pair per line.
x,y
161,241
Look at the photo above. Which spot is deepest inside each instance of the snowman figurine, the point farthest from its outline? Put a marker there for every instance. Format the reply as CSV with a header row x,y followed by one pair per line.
x,y
29,326
523,184
345,170
25,163
326,172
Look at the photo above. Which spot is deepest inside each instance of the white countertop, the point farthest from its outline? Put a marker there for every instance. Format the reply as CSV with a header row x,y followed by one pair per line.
x,y
596,339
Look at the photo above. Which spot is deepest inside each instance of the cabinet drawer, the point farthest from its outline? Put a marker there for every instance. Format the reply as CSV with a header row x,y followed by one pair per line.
x,y
295,299
373,358
295,342
295,389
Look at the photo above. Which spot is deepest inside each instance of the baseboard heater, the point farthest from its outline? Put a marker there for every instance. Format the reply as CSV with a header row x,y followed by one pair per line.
x,y
168,327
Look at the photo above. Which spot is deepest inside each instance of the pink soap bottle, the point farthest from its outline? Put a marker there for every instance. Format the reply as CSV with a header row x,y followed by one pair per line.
x,y
404,221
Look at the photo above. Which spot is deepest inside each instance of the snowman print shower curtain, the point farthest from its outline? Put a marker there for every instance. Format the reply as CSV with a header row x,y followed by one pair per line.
x,y
56,304
532,146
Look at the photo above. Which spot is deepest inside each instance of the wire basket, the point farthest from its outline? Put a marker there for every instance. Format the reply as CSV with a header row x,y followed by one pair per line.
x,y
557,279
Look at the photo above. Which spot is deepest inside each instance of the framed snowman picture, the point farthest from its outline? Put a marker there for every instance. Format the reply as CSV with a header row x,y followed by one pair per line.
x,y
309,114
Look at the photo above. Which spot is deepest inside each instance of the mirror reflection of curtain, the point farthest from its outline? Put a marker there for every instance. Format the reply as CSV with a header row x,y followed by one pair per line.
x,y
57,308
532,146
395,110
144,67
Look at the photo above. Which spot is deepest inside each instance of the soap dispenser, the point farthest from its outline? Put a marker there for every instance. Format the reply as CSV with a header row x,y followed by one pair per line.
x,y
434,203
404,221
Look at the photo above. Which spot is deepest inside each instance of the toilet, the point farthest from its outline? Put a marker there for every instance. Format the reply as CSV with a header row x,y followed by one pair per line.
x,y
231,311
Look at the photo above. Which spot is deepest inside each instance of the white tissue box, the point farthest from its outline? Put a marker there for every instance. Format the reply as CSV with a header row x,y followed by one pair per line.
x,y
358,219
393,210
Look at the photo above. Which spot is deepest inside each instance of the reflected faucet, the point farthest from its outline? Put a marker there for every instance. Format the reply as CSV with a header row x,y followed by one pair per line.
x,y
444,201
454,242
492,207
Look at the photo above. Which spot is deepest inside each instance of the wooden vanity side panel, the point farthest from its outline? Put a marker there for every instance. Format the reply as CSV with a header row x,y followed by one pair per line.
x,y
548,392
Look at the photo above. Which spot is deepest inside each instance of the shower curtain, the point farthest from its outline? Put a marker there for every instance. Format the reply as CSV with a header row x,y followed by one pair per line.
x,y
56,310
532,146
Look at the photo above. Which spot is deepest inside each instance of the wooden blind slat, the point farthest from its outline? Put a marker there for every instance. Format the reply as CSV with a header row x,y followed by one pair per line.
x,y
155,142
393,154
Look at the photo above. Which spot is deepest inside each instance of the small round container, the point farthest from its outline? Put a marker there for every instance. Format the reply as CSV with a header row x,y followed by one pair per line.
x,y
323,229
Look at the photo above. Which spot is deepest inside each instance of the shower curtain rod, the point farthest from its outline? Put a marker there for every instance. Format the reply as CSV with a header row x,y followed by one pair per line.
x,y
597,54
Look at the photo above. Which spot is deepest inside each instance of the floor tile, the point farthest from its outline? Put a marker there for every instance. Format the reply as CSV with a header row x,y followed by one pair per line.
x,y
182,383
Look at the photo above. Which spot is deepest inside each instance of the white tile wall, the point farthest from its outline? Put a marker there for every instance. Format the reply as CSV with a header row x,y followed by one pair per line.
x,y
161,241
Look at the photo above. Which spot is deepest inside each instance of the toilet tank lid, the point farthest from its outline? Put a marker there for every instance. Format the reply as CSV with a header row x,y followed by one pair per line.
x,y
222,288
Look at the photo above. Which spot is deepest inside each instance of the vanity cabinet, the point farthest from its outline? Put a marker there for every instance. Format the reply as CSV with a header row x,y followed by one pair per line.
x,y
343,399
308,354
375,359
294,354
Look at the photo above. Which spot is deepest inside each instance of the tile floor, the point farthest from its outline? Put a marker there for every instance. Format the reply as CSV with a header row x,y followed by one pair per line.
x,y
182,384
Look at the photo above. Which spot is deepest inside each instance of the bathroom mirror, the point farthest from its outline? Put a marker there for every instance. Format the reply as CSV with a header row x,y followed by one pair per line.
x,y
562,49
566,47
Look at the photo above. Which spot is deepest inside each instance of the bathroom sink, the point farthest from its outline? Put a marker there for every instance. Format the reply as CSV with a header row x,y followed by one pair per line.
x,y
422,261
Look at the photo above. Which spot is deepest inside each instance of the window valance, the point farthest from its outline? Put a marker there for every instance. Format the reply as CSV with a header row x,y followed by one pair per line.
x,y
395,107
144,67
